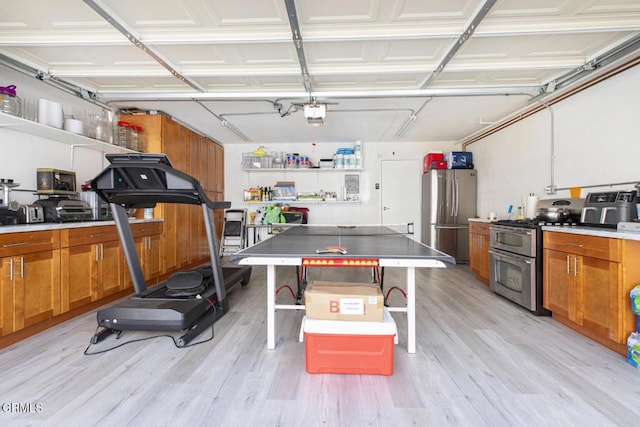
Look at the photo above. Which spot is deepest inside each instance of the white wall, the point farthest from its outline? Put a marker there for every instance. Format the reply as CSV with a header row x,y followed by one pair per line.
x,y
596,144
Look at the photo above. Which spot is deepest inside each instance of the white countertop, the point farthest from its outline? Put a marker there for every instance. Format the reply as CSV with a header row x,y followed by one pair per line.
x,y
4,229
481,220
594,231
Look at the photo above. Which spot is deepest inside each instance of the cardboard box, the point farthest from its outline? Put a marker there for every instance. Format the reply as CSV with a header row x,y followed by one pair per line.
x,y
349,347
344,301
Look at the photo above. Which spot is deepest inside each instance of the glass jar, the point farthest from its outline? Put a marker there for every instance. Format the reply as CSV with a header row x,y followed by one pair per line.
x,y
142,143
124,134
133,135
10,103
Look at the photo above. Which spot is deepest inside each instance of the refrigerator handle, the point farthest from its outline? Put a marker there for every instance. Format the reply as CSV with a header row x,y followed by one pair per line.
x,y
452,190
455,197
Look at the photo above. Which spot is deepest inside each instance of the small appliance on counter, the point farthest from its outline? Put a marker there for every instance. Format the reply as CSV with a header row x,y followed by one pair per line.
x,y
64,209
608,208
559,211
30,214
100,209
55,181
11,212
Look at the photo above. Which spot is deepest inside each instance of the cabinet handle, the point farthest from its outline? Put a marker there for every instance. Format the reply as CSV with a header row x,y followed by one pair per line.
x,y
568,268
101,252
21,267
97,253
96,235
575,266
576,245
13,245
11,269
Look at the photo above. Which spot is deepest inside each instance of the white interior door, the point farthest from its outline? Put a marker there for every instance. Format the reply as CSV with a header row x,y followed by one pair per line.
x,y
400,185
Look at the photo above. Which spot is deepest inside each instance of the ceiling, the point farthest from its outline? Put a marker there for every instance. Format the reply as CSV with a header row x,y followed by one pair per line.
x,y
441,70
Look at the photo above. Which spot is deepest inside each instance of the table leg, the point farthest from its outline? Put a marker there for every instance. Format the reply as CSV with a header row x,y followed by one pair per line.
x,y
411,309
271,307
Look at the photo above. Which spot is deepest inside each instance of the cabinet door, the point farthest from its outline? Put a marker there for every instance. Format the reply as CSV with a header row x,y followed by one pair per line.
x,y
36,287
219,169
600,282
111,269
6,296
170,238
149,253
474,253
153,257
559,290
483,257
79,279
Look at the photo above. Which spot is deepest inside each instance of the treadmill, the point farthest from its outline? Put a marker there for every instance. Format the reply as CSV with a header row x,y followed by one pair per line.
x,y
189,300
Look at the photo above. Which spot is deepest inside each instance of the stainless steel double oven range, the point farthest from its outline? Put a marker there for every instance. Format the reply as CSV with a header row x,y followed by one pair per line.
x,y
516,263
515,252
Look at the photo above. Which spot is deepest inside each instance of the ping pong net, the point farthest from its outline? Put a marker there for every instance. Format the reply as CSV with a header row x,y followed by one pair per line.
x,y
352,230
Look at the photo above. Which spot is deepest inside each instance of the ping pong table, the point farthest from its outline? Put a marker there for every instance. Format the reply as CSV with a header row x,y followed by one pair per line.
x,y
367,246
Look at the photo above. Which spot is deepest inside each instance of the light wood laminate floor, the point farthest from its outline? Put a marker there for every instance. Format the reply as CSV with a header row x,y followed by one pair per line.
x,y
480,360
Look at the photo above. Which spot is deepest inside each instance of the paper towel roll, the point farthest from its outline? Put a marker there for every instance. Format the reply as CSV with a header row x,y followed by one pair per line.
x,y
532,204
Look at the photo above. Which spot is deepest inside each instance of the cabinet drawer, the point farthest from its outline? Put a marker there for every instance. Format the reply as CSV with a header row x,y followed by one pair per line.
x,y
479,228
591,246
88,235
29,242
146,228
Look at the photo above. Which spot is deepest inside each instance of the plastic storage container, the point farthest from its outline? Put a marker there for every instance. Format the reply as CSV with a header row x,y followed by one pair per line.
x,y
635,300
459,160
633,349
349,347
10,103
433,160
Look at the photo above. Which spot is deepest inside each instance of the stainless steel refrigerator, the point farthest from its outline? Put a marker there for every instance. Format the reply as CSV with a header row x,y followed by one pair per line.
x,y
449,198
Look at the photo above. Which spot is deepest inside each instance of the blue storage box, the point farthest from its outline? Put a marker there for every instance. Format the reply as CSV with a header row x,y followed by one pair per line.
x,y
459,160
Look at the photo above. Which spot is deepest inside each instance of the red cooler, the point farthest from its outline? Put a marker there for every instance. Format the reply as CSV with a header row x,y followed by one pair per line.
x,y
433,161
349,347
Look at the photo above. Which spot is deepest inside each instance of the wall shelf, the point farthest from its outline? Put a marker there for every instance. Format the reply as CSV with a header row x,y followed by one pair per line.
x,y
29,127
309,201
304,170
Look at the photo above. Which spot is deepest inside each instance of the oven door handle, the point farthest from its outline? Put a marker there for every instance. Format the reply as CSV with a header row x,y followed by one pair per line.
x,y
510,255
513,230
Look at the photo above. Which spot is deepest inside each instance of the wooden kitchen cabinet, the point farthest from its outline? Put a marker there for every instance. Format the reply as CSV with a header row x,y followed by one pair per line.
x,y
92,265
148,241
29,279
479,242
184,242
587,280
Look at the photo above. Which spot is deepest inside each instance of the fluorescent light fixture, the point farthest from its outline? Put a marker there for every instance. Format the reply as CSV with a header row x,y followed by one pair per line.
x,y
235,130
406,125
315,114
